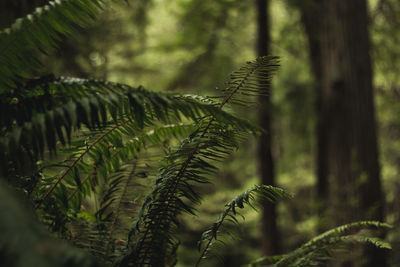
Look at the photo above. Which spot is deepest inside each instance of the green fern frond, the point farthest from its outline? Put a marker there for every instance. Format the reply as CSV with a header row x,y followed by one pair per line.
x,y
105,237
347,228
257,193
152,238
252,79
102,158
38,32
319,249
105,100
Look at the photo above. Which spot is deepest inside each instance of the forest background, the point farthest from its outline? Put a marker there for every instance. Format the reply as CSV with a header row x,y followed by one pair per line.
x,y
191,47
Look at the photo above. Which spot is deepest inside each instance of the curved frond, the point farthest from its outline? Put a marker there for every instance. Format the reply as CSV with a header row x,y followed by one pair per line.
x,y
319,249
252,79
95,162
257,193
104,101
37,32
152,238
105,238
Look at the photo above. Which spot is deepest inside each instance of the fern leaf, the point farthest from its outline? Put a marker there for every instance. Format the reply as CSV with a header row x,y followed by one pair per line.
x,y
102,157
252,79
153,236
262,192
319,249
104,100
38,32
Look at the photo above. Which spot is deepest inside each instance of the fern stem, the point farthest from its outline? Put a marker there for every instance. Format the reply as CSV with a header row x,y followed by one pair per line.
x,y
101,137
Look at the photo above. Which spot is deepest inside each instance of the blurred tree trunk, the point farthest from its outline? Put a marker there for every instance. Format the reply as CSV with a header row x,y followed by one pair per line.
x,y
269,230
348,169
311,16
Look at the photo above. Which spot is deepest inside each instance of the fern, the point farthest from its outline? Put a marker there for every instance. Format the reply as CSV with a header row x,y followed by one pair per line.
x,y
104,128
122,102
106,125
319,250
263,192
152,239
101,158
105,237
38,32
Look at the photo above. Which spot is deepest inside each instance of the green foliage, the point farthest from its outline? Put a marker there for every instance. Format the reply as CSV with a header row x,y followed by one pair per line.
x,y
85,151
40,31
152,238
258,193
64,104
24,242
107,125
319,250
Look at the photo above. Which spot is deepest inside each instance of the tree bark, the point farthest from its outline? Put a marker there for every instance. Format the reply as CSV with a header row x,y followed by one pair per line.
x,y
269,229
311,16
347,157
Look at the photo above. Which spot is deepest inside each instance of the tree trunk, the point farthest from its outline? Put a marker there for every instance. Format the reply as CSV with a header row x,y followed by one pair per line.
x,y
311,16
347,142
269,230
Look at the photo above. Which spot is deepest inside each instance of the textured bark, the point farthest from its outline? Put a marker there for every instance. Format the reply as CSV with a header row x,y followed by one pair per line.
x,y
348,171
347,104
269,229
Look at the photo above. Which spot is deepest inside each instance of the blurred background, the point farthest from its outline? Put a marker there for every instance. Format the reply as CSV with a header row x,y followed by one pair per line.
x,y
329,145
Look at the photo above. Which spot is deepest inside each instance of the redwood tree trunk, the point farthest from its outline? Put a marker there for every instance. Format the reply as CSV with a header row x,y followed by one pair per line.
x,y
269,230
348,109
347,141
311,16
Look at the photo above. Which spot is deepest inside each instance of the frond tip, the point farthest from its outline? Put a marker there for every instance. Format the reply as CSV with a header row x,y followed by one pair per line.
x,y
251,80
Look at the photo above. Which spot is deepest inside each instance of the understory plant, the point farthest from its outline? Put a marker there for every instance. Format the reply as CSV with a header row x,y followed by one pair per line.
x,y
109,167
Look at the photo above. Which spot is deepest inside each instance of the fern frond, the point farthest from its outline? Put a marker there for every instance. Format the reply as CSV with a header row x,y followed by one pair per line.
x,y
104,238
347,228
102,157
105,100
118,208
252,79
72,167
152,239
319,249
38,32
261,192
